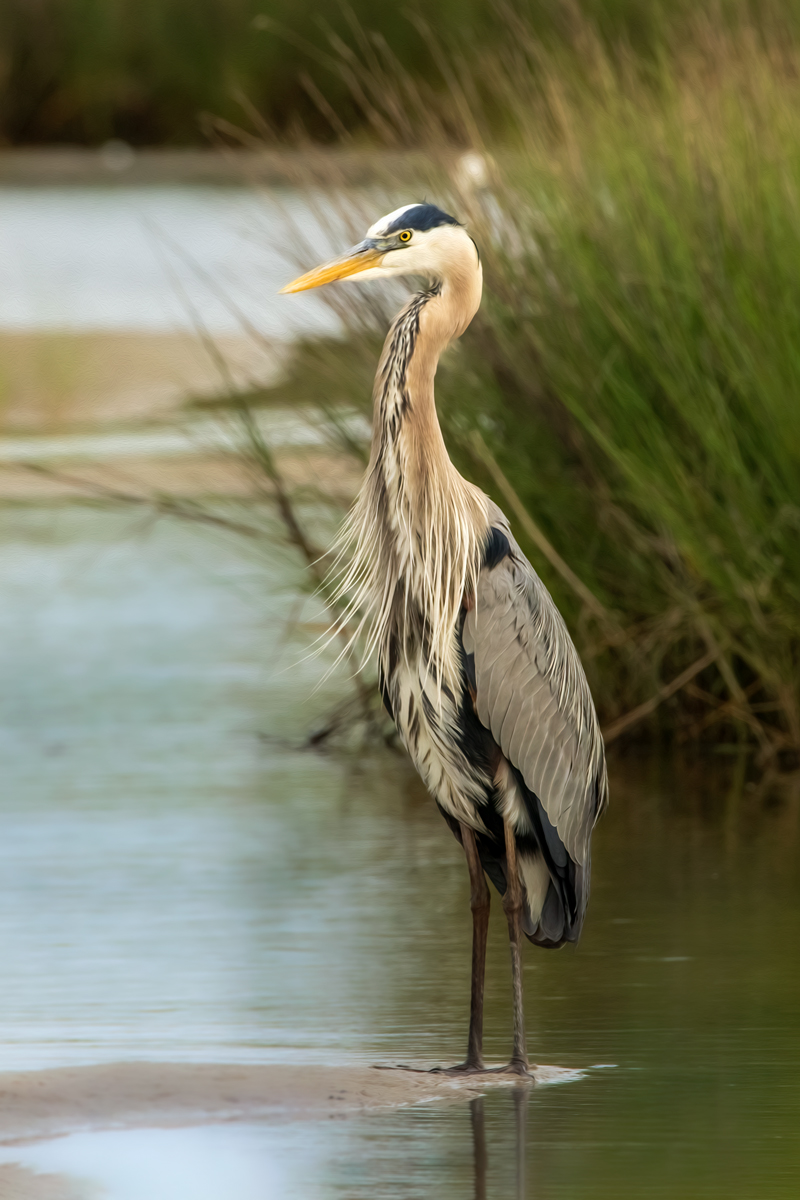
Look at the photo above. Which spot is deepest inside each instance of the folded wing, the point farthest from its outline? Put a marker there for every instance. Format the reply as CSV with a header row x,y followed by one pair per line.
x,y
532,694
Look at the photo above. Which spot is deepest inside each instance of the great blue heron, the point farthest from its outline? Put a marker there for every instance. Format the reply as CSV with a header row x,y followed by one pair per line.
x,y
477,668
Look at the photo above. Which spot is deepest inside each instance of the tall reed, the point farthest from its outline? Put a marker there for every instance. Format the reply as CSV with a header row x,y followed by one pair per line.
x,y
147,70
632,381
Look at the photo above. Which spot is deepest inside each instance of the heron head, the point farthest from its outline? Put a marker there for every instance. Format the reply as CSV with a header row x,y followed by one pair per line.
x,y
418,239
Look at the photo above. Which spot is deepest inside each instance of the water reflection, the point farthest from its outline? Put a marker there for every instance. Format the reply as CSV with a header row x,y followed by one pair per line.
x,y
77,258
454,1151
178,882
480,1156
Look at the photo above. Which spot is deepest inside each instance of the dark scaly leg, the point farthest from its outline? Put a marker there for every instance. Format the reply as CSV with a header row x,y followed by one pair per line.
x,y
512,904
479,902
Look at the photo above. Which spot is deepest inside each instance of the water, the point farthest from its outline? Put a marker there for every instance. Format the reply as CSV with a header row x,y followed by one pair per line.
x,y
155,259
179,881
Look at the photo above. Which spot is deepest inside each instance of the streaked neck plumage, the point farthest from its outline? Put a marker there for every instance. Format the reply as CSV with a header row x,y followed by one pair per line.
x,y
417,528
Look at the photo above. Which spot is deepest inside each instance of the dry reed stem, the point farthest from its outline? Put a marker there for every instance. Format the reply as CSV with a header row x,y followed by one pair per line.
x,y
485,456
612,731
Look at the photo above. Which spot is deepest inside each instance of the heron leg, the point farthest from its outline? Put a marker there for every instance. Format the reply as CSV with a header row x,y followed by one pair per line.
x,y
512,904
479,902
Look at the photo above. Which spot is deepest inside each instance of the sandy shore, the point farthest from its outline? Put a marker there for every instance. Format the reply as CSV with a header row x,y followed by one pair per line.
x,y
270,167
54,382
17,1183
46,1103
76,390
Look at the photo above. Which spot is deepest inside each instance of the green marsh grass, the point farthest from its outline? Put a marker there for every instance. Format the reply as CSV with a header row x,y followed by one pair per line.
x,y
634,373
152,71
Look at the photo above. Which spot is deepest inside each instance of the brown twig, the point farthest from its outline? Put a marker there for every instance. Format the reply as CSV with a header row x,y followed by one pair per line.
x,y
731,708
296,536
631,718
741,711
166,506
263,456
482,452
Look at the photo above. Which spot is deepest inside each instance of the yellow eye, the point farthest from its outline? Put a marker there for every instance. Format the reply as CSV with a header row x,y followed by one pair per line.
x,y
405,236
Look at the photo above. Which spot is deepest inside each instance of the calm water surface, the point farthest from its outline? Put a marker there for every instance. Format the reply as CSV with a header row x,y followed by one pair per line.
x,y
179,881
153,259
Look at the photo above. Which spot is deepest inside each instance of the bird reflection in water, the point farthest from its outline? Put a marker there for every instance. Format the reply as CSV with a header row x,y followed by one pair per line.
x,y
479,1151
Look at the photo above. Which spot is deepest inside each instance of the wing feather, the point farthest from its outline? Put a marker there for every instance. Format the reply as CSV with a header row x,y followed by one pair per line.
x,y
533,696
522,734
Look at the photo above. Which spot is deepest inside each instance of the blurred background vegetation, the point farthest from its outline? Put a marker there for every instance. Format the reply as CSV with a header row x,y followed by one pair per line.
x,y
631,170
146,71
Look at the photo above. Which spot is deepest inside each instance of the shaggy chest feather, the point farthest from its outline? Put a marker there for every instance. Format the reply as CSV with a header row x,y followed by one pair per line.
x,y
430,722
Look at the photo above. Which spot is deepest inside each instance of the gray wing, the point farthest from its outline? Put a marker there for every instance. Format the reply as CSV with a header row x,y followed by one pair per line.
x,y
533,695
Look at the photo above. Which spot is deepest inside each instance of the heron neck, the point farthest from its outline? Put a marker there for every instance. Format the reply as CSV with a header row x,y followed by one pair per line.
x,y
432,523
417,528
406,422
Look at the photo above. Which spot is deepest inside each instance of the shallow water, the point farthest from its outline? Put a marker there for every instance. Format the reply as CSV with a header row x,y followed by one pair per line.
x,y
155,259
178,881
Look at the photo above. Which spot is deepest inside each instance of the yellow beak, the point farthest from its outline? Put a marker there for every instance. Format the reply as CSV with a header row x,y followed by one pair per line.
x,y
360,258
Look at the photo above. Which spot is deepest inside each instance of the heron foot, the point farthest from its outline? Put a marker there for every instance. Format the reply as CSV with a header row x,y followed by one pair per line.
x,y
520,1070
465,1068
516,1067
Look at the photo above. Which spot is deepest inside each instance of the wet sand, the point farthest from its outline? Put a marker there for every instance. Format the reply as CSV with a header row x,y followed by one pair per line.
x,y
17,1183
201,476
73,387
36,1104
57,382
117,164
